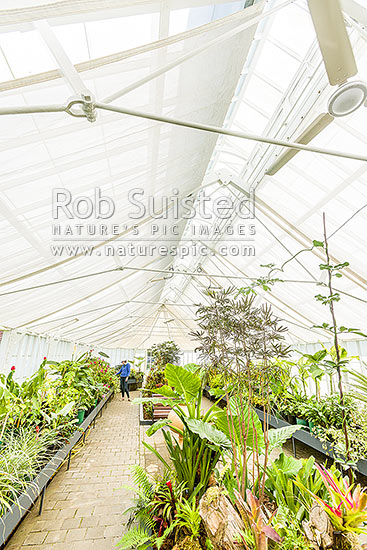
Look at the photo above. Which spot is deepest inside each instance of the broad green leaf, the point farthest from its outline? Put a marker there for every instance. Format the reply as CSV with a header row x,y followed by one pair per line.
x,y
157,426
278,436
320,355
191,367
248,423
166,391
288,465
184,382
209,432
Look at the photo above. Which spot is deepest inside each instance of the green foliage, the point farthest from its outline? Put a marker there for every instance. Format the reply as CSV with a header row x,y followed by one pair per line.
x,y
155,379
358,384
23,452
195,457
234,430
166,352
40,413
357,431
288,482
185,383
138,375
194,460
207,431
188,518
289,529
232,331
278,437
161,512
136,538
217,380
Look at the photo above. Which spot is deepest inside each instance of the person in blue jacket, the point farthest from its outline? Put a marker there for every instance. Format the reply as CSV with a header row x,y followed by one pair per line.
x,y
124,373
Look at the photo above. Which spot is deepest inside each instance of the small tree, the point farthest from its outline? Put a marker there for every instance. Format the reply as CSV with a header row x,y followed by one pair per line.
x,y
243,341
166,352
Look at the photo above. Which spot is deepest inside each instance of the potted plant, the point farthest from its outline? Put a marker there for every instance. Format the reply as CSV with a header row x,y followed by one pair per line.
x,y
166,352
314,413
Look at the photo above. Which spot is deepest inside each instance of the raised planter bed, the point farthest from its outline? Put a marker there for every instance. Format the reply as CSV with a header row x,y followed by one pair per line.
x,y
10,521
159,411
144,421
133,384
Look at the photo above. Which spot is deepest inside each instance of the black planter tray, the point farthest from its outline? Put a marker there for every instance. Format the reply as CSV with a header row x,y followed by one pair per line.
x,y
10,521
309,440
301,435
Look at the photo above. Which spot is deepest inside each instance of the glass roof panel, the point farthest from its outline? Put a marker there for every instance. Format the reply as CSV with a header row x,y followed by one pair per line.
x,y
26,53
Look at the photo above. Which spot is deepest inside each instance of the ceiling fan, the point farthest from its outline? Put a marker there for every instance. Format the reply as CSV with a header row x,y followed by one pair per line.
x,y
340,65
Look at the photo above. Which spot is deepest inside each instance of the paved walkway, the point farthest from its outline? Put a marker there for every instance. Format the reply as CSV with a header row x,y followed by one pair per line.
x,y
83,507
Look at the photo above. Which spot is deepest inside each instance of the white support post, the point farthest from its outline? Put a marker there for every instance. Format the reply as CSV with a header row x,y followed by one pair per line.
x,y
66,67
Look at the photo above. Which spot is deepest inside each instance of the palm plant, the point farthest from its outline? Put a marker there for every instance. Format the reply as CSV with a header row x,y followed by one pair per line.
x,y
358,385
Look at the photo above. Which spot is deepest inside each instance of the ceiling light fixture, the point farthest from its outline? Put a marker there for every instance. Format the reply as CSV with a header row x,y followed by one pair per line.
x,y
347,98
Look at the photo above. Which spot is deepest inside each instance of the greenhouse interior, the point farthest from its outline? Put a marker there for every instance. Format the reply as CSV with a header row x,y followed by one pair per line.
x,y
183,290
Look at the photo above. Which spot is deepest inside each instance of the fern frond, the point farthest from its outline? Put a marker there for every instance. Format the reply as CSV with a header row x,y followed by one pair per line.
x,y
137,538
141,479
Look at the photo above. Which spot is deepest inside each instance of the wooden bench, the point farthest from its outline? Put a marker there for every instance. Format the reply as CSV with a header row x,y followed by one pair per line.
x,y
160,410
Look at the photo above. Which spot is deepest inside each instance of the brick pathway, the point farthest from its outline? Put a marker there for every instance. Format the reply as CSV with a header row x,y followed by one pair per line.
x,y
83,507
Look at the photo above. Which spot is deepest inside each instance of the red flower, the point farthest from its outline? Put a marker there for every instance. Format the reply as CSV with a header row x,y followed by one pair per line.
x,y
45,358
37,429
13,368
169,485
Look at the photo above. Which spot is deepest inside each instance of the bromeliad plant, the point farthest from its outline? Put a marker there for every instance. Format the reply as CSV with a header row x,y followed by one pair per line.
x,y
161,513
346,505
255,520
290,482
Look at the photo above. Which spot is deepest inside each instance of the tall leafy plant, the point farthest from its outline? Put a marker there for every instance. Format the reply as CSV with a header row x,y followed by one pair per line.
x,y
199,445
238,338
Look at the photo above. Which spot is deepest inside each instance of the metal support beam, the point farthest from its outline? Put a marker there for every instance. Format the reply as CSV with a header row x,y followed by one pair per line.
x,y
42,500
225,132
184,124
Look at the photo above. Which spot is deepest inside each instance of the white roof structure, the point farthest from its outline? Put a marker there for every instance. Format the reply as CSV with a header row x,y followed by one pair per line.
x,y
252,70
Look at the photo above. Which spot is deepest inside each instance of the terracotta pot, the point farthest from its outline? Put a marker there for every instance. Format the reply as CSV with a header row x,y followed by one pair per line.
x,y
176,422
